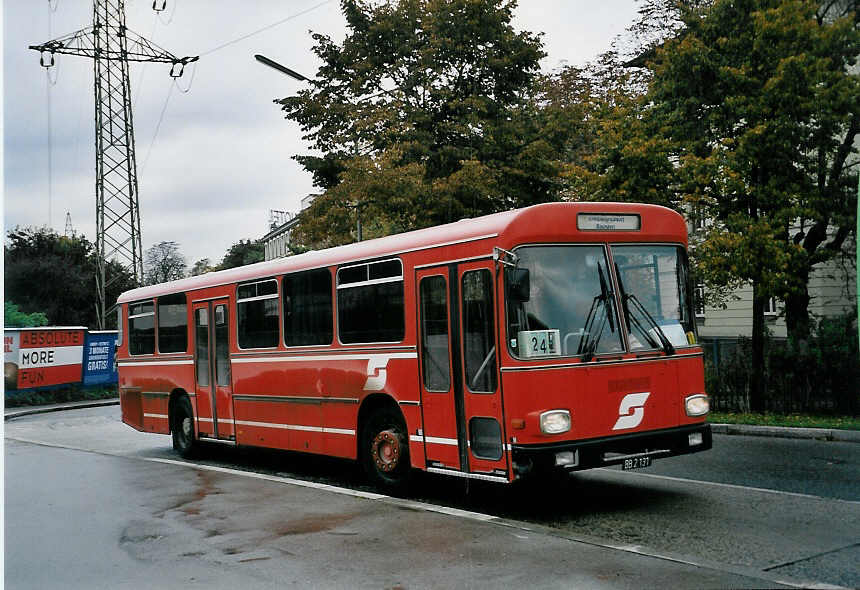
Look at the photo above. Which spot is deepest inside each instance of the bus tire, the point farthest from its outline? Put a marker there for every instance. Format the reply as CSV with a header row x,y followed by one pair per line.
x,y
182,428
385,450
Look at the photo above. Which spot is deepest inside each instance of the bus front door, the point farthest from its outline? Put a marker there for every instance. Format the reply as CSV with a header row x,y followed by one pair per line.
x,y
461,398
212,369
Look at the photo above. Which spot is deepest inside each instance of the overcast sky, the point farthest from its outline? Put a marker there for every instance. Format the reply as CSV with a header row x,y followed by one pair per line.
x,y
221,157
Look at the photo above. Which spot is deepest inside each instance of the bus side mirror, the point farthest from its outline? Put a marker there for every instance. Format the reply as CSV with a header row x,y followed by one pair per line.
x,y
519,284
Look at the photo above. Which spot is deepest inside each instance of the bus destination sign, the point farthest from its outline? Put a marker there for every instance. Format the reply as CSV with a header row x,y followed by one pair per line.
x,y
608,222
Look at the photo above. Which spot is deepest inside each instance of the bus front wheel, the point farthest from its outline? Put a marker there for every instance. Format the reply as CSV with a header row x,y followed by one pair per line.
x,y
385,450
182,427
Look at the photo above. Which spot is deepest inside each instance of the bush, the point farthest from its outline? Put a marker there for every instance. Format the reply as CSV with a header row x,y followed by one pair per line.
x,y
59,395
822,376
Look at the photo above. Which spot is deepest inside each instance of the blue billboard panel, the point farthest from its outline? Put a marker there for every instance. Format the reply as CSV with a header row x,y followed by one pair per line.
x,y
100,358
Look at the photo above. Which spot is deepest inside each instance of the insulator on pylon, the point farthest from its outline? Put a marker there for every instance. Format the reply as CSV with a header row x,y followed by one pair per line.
x,y
177,69
49,63
159,6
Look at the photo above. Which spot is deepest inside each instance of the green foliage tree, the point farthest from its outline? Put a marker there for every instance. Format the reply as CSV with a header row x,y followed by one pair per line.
x,y
200,267
14,318
163,262
432,97
243,252
56,275
612,147
761,110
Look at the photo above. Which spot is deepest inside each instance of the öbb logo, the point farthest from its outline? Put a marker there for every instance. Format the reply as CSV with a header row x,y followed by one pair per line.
x,y
636,403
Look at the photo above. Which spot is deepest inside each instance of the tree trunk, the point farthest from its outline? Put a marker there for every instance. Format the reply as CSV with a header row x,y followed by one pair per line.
x,y
757,361
797,319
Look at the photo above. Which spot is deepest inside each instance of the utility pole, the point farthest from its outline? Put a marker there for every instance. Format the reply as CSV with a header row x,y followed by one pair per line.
x,y
112,46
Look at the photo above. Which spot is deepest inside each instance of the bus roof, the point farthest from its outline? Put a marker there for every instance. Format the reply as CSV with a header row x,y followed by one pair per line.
x,y
548,222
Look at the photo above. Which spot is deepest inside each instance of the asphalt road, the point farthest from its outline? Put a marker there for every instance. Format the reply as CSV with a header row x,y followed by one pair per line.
x,y
751,512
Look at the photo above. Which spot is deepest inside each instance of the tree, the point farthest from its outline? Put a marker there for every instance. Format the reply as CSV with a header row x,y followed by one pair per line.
x,y
757,101
612,148
202,266
14,318
163,262
430,96
243,252
56,275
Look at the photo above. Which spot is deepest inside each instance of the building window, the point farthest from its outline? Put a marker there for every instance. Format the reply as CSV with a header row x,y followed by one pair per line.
x,y
700,300
257,311
770,306
172,323
370,302
308,316
700,219
141,328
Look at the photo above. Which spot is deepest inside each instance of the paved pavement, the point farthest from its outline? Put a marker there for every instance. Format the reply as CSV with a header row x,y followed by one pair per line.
x,y
108,521
741,429
133,520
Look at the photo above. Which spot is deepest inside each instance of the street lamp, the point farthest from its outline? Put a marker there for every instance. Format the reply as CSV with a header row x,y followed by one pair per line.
x,y
281,68
294,74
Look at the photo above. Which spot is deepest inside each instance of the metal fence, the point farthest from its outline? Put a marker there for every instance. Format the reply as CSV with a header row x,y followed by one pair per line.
x,y
814,381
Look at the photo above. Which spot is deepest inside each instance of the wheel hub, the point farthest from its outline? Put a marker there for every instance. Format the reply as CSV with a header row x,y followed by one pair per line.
x,y
386,451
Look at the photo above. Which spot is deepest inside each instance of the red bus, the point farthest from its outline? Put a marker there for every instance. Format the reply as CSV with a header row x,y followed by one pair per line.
x,y
559,336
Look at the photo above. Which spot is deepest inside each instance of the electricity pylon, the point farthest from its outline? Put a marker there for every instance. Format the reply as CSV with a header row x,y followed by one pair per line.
x,y
112,46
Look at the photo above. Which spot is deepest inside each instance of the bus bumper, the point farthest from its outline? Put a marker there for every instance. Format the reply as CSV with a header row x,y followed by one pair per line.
x,y
630,450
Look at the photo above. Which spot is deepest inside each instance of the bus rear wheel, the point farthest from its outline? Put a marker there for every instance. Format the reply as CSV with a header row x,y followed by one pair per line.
x,y
182,428
385,450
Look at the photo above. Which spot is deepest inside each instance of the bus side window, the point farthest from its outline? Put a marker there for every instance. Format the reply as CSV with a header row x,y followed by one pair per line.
x,y
370,305
172,323
479,350
257,309
141,328
308,318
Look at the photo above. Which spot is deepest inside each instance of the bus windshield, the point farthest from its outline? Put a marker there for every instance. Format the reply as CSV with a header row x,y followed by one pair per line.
x,y
569,309
654,294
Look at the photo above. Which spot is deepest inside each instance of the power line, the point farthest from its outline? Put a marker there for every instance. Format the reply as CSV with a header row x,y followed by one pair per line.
x,y
157,127
266,28
112,46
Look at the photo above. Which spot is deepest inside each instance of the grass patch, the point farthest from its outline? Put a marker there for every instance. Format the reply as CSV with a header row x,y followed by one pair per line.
x,y
72,393
795,420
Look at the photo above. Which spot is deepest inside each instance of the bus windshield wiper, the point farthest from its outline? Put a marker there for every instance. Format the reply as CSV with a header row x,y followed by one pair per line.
x,y
631,319
587,345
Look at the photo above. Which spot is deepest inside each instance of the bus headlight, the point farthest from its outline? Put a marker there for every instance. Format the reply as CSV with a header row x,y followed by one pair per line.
x,y
697,405
555,422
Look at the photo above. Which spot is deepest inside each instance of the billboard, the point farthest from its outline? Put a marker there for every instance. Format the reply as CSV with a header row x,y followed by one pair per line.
x,y
40,357
100,358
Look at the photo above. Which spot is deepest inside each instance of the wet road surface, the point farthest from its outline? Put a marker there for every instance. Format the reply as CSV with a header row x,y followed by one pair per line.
x,y
553,535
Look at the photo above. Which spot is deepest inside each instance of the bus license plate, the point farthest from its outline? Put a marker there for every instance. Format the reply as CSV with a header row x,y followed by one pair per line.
x,y
636,463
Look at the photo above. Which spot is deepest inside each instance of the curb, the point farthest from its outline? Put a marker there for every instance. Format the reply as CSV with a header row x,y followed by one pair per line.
x,y
832,434
17,413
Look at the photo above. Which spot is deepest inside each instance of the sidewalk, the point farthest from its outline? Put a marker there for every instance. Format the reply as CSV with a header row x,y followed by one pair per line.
x,y
11,413
833,434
